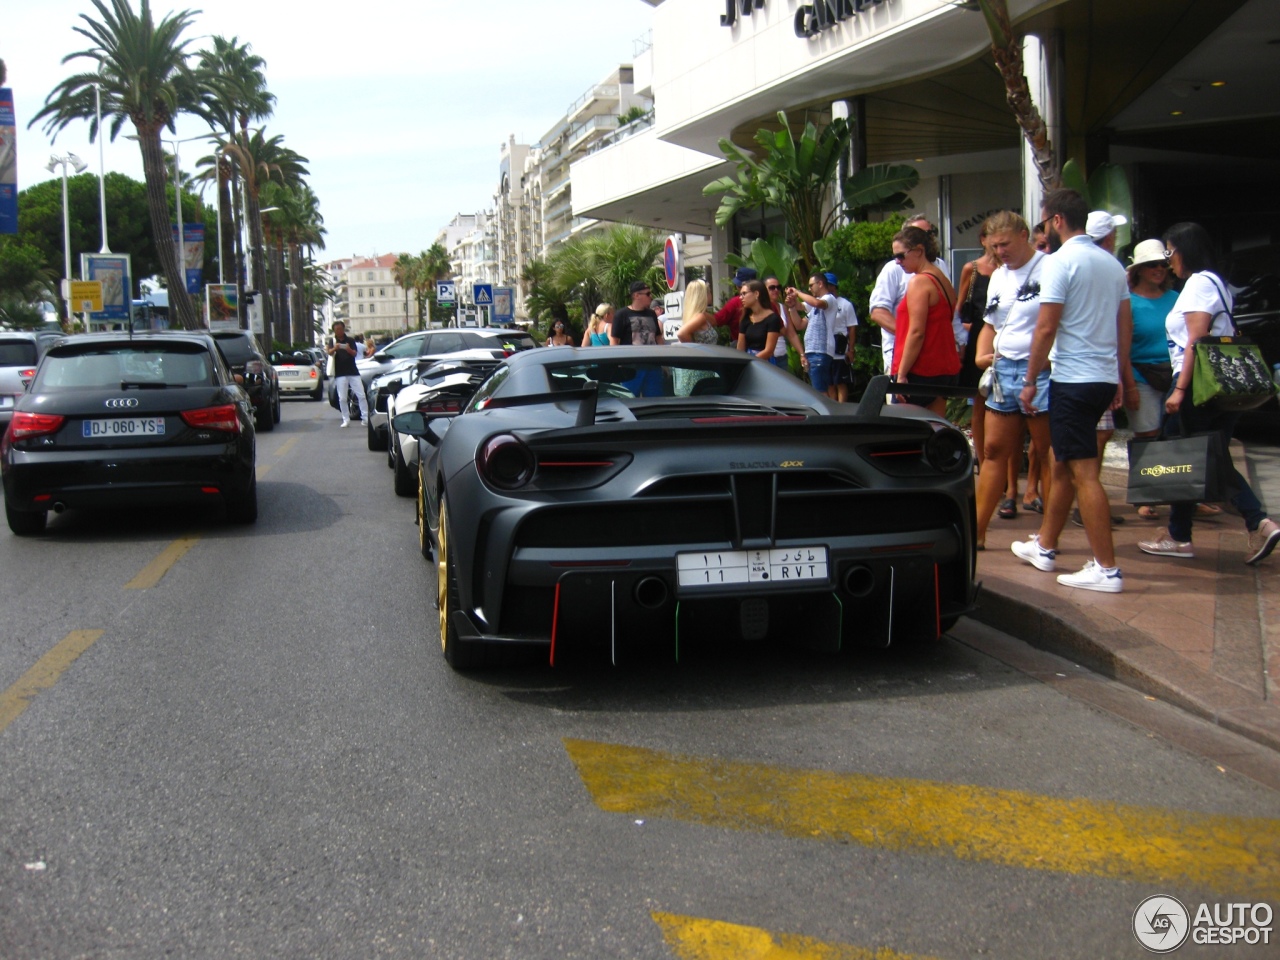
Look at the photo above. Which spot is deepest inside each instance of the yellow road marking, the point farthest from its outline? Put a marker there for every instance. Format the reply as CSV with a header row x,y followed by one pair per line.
x,y
151,574
1145,844
262,469
44,674
693,938
286,446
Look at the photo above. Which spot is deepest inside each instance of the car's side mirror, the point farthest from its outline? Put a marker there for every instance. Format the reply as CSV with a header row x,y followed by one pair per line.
x,y
417,424
393,388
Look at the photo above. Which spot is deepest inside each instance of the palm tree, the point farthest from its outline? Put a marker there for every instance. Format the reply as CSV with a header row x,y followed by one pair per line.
x,y
259,158
295,223
236,93
144,77
405,273
1006,49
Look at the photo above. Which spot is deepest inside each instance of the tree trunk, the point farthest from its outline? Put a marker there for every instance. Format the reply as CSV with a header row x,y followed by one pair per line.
x,y
1006,49
296,312
181,310
240,278
257,256
226,250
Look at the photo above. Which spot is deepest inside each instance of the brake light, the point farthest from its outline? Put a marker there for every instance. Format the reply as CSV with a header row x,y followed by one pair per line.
x,y
314,373
221,417
25,425
26,374
506,463
440,406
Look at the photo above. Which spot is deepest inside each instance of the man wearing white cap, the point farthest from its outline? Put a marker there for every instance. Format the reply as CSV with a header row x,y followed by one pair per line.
x,y
1101,228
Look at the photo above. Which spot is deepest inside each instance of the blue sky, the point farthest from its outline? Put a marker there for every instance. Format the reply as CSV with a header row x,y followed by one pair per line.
x,y
400,106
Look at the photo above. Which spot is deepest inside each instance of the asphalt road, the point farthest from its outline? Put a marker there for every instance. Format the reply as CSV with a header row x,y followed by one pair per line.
x,y
229,742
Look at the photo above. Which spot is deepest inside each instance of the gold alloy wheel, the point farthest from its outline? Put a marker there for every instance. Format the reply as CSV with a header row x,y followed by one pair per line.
x,y
442,576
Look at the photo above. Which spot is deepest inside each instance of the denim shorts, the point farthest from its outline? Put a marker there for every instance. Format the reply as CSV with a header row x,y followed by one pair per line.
x,y
819,370
1006,388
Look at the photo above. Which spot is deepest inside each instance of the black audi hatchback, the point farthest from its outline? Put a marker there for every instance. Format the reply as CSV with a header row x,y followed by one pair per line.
x,y
114,420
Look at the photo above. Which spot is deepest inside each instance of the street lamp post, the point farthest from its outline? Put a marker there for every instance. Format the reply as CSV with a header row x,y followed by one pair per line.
x,y
56,161
102,169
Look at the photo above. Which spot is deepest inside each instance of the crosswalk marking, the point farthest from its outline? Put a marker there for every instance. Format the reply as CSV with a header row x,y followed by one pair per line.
x,y
1079,836
694,938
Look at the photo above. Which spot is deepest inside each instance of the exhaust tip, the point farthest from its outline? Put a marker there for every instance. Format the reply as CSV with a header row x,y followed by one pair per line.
x,y
859,581
59,507
650,592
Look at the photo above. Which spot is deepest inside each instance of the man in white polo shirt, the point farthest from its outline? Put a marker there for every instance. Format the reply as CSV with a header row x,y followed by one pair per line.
x,y
1084,329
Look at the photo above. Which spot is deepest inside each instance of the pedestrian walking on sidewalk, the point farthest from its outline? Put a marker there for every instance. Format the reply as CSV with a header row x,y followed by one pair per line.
x,y
1084,328
1203,308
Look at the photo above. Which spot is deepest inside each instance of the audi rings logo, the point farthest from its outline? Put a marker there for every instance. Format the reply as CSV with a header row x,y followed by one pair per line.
x,y
1161,924
116,403
1160,470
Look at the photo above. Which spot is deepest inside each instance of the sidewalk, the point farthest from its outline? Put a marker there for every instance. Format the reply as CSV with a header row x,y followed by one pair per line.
x,y
1203,634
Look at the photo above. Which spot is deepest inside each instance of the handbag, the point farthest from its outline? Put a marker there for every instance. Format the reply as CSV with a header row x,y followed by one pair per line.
x,y
985,381
1176,470
1230,373
331,367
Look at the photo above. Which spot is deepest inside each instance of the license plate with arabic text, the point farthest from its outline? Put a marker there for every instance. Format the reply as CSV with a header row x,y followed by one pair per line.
x,y
124,427
776,566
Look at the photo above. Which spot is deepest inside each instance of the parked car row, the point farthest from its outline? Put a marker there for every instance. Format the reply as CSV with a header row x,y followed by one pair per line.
x,y
605,500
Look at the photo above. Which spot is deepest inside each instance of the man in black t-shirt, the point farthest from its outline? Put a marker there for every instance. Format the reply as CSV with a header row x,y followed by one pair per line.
x,y
637,325
346,377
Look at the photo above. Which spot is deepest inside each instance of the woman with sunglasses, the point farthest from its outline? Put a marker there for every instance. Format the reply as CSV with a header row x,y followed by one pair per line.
x,y
761,326
1203,309
1150,300
924,350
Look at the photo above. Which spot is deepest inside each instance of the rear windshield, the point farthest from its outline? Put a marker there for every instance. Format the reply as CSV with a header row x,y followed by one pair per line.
x,y
110,366
17,353
237,350
512,343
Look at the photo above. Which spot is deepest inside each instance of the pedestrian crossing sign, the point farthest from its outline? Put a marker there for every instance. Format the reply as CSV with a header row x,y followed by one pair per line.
x,y
483,294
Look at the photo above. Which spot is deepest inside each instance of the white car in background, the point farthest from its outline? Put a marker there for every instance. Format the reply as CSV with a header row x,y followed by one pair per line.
x,y
442,389
298,372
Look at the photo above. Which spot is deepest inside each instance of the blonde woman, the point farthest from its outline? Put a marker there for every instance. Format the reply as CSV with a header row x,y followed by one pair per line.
x,y
698,327
597,332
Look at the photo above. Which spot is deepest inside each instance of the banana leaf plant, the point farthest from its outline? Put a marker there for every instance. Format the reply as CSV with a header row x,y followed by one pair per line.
x,y
1106,189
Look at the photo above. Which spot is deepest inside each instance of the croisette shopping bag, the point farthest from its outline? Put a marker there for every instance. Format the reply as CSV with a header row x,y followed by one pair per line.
x,y
1177,470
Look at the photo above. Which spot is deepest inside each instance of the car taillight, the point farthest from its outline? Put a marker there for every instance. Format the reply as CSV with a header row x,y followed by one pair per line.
x,y
222,417
440,406
506,462
314,373
26,425
26,374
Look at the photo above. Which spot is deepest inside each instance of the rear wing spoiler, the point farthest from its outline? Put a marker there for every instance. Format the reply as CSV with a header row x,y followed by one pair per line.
x,y
880,387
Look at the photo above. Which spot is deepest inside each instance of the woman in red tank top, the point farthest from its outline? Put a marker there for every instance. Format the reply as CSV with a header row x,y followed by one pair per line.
x,y
925,350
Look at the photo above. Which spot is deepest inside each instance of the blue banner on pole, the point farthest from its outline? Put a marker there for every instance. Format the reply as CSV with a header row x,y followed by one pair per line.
x,y
113,271
192,255
8,164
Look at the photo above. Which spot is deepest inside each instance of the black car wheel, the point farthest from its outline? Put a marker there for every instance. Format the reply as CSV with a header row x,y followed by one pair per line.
x,y
275,407
405,480
375,438
460,654
23,523
318,392
263,418
245,509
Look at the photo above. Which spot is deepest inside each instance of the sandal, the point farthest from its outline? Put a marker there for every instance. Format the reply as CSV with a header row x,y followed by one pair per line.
x,y
1008,510
1035,506
1207,510
1148,512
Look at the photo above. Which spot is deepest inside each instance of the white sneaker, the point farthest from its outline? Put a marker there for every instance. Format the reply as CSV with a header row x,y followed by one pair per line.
x,y
1166,546
1031,551
1262,541
1092,576
344,423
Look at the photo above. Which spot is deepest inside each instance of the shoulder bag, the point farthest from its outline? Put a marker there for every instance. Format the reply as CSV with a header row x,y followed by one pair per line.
x,y
1230,373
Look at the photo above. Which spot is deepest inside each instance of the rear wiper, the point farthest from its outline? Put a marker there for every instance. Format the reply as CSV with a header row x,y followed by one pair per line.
x,y
150,385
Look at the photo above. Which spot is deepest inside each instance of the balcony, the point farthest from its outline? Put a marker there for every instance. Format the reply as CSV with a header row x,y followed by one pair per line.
x,y
590,130
600,99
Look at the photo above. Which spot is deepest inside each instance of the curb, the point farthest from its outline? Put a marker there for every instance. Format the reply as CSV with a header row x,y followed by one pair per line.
x,y
1127,655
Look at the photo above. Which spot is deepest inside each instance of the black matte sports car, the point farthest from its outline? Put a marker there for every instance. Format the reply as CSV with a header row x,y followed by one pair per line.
x,y
616,498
